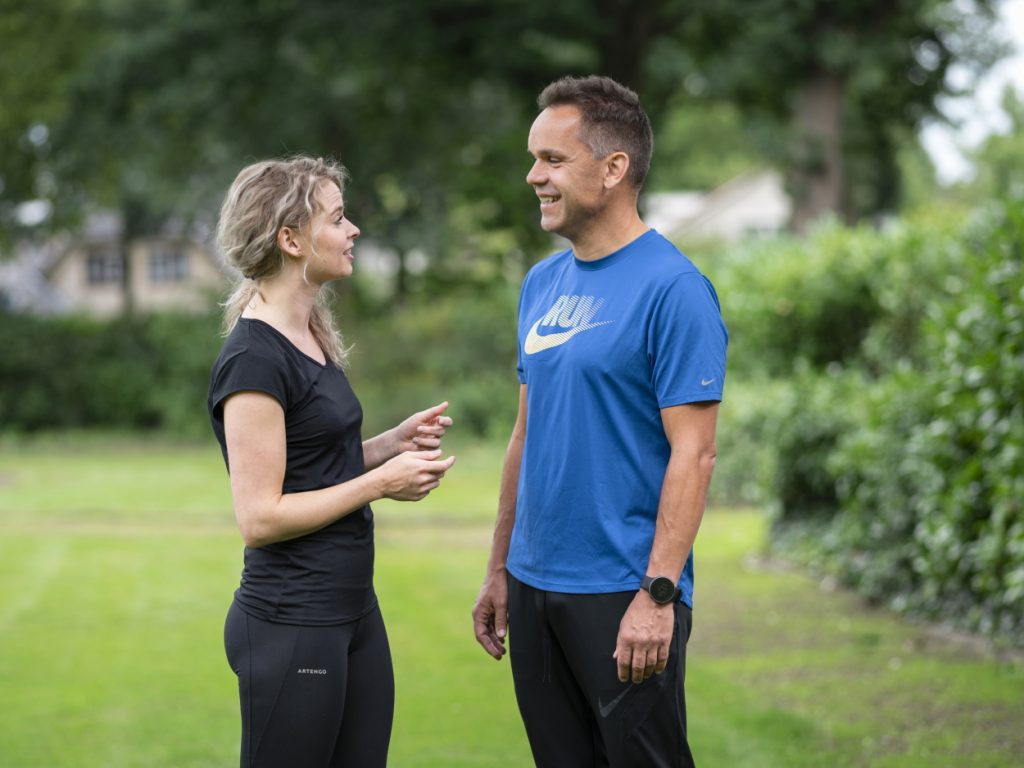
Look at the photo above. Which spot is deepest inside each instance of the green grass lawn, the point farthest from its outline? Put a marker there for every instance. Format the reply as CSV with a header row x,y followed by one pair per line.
x,y
118,557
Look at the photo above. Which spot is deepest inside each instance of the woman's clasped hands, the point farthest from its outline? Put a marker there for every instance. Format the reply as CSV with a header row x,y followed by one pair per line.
x,y
417,468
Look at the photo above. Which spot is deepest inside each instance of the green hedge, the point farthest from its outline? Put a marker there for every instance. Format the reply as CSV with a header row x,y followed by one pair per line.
x,y
75,372
152,372
811,323
898,452
932,483
459,346
839,297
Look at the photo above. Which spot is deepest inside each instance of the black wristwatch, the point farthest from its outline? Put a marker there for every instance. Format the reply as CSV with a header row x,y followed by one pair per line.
x,y
661,589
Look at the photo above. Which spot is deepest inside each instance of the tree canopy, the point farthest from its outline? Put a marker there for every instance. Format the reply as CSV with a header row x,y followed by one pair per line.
x,y
153,106
852,79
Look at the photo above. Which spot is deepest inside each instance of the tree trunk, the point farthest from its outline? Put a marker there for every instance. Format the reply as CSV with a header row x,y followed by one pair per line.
x,y
629,30
125,247
401,290
817,180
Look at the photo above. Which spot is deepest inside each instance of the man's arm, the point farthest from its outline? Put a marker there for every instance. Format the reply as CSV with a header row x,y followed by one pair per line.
x,y
490,612
645,632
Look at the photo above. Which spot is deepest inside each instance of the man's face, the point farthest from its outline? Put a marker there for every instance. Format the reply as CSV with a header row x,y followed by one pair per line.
x,y
566,178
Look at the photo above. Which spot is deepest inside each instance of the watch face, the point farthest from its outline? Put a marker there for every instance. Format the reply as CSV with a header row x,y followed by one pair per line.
x,y
662,590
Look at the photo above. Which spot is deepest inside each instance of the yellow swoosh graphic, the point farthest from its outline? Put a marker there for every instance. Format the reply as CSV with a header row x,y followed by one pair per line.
x,y
536,343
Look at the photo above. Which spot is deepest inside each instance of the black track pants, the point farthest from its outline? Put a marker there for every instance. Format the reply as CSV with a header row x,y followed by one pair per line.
x,y
312,697
576,712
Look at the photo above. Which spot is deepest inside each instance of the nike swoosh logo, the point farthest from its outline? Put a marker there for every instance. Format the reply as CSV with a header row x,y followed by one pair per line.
x,y
606,709
706,382
536,343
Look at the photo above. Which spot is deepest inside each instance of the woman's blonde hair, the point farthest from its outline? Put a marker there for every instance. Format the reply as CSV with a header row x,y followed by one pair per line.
x,y
263,198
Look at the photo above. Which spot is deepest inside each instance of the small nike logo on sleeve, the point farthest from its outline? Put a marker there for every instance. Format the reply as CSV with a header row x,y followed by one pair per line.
x,y
706,382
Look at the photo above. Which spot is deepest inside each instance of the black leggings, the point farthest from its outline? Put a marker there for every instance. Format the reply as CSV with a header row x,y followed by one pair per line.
x,y
312,697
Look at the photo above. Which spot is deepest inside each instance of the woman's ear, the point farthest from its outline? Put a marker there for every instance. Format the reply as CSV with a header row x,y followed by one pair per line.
x,y
289,243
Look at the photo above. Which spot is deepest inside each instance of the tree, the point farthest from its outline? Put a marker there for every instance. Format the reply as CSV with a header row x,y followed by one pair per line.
x,y
44,44
850,79
427,102
999,159
156,105
186,92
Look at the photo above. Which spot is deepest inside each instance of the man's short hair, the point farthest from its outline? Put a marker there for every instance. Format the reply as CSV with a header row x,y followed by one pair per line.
x,y
612,119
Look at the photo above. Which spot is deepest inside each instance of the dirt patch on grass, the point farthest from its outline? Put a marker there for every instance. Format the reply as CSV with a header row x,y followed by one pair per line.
x,y
935,638
783,605
900,718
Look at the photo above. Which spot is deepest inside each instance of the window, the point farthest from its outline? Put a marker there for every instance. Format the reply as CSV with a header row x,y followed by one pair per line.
x,y
104,266
168,264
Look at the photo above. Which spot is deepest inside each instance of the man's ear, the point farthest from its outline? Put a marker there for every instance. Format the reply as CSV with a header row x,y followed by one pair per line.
x,y
288,241
616,169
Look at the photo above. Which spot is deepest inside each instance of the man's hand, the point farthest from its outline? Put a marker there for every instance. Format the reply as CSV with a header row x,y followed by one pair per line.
x,y
490,614
423,430
645,634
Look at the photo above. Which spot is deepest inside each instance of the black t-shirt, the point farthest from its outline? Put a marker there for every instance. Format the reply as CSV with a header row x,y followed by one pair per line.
x,y
325,577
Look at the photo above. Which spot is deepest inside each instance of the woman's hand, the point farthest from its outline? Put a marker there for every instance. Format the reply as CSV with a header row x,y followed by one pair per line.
x,y
411,475
423,430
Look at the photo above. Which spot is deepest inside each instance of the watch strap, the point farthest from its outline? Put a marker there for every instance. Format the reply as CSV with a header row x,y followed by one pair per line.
x,y
647,581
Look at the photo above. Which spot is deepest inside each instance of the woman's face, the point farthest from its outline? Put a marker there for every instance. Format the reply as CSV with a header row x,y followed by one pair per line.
x,y
333,237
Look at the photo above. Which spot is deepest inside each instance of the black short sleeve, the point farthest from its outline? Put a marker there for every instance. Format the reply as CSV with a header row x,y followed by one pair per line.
x,y
247,370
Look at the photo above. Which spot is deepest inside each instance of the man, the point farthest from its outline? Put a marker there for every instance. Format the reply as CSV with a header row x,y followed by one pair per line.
x,y
621,365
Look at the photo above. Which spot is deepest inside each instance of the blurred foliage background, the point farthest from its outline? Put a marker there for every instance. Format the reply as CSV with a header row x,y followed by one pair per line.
x,y
876,388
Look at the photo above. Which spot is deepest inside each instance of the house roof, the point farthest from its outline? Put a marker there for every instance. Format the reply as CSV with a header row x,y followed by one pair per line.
x,y
105,227
25,279
23,283
755,199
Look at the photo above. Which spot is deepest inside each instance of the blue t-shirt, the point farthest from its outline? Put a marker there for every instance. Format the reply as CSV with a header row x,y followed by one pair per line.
x,y
603,347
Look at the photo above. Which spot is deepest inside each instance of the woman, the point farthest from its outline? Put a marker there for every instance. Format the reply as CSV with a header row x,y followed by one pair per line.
x,y
304,633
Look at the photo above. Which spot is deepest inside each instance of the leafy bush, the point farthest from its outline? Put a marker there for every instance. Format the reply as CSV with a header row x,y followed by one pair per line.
x,y
963,458
746,456
916,259
459,347
815,322
847,296
786,300
153,371
141,373
929,481
896,419
808,422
